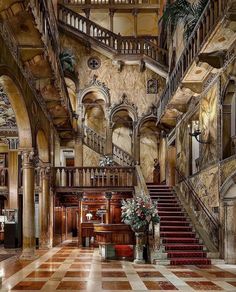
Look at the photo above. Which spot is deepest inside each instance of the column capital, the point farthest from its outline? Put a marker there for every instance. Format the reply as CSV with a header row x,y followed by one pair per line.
x,y
108,195
111,12
80,196
45,170
135,12
28,157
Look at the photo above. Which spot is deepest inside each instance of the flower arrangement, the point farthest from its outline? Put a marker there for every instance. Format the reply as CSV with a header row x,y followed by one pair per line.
x,y
106,161
139,212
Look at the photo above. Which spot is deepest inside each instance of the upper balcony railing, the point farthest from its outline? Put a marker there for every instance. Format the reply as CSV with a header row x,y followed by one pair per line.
x,y
109,2
105,38
211,15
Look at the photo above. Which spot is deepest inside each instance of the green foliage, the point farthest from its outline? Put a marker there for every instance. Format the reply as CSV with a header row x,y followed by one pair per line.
x,y
185,12
67,61
139,212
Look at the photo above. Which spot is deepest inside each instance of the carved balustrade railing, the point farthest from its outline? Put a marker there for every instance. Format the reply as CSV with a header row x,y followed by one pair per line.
x,y
93,177
108,2
3,177
94,140
44,15
211,15
122,157
118,44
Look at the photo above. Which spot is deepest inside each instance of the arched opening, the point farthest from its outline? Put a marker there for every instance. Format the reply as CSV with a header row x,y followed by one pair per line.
x,y
15,133
149,140
228,194
229,121
94,112
123,130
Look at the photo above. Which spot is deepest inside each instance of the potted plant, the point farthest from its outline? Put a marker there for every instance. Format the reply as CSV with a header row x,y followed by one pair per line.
x,y
140,213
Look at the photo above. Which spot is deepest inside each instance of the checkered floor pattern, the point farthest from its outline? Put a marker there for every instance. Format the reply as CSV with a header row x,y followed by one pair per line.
x,y
69,268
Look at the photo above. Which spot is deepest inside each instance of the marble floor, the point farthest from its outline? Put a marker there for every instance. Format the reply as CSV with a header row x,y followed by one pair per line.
x,y
68,268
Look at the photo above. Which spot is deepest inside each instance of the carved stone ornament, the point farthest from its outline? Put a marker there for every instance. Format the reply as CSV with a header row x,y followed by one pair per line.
x,y
27,156
108,195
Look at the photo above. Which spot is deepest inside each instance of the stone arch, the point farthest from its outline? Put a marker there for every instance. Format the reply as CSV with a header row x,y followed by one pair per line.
x,y
228,196
125,105
98,87
14,93
228,116
42,146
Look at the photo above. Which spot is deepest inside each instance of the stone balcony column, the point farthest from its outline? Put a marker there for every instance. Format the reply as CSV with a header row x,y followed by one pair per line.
x,y
108,196
108,146
44,202
80,198
135,15
111,14
29,244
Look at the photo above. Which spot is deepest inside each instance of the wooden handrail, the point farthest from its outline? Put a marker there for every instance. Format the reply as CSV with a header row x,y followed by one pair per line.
x,y
198,200
117,43
211,15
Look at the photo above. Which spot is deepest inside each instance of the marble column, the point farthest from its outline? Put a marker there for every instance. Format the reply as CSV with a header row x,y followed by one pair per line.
x,y
135,15
29,243
13,179
44,202
108,196
109,139
111,14
80,198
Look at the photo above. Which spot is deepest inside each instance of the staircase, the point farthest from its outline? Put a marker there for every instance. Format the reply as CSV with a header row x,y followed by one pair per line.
x,y
180,242
96,142
113,45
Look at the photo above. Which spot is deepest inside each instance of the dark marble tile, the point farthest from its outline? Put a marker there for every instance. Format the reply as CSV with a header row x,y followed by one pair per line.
x,y
232,283
40,274
77,274
29,285
113,274
116,285
203,285
72,285
80,266
149,274
159,285
222,274
144,267
186,274
49,266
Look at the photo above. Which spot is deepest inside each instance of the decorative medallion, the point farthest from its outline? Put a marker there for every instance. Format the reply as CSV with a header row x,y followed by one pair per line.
x,y
94,63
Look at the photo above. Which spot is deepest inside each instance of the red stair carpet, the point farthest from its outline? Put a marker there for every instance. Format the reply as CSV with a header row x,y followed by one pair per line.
x,y
179,239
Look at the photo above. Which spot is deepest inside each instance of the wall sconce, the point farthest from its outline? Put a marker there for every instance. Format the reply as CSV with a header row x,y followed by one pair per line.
x,y
89,216
194,131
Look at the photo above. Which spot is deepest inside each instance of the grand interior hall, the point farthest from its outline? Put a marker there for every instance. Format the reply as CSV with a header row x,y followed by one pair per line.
x,y
118,145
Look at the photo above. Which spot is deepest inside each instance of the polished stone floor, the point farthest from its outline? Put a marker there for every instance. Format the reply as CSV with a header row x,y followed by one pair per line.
x,y
68,268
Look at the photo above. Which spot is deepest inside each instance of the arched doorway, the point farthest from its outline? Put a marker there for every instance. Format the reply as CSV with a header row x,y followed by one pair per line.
x,y
228,195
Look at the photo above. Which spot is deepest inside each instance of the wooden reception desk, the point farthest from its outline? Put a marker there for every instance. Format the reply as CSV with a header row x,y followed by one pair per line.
x,y
120,234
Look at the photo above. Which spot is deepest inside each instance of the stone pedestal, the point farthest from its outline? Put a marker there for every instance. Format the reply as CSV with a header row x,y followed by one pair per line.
x,y
29,242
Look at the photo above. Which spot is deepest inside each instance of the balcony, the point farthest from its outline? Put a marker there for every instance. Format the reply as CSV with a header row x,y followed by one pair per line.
x,y
67,179
213,13
119,5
